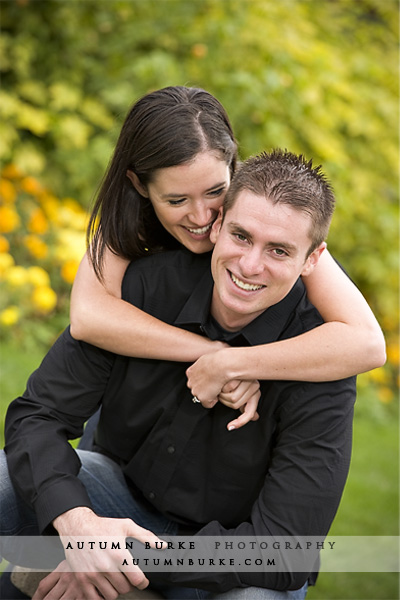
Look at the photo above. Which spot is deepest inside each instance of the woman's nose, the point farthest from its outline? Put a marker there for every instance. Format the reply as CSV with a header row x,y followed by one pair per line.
x,y
201,214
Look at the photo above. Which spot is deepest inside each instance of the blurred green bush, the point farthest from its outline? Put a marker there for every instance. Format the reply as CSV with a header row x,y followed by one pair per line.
x,y
315,77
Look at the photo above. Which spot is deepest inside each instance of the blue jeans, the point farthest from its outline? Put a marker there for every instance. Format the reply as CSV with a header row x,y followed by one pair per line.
x,y
111,497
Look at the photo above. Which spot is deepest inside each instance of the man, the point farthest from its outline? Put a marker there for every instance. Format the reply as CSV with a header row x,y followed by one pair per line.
x,y
161,460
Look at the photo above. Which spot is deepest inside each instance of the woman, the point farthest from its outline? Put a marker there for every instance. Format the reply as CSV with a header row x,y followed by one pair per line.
x,y
166,182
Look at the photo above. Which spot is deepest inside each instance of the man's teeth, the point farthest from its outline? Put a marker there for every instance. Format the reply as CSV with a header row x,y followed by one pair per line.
x,y
245,286
200,230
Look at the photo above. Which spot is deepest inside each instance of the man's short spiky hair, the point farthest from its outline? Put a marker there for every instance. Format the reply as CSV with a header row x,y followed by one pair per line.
x,y
282,176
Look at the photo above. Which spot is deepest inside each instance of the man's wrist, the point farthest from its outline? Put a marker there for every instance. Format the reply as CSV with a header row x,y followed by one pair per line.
x,y
71,520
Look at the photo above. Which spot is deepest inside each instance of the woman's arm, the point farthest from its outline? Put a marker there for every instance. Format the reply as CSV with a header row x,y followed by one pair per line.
x,y
349,342
100,317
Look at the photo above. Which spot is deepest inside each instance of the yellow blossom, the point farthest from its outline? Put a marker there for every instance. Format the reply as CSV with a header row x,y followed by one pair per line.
x,y
6,261
7,191
50,205
393,353
38,277
36,246
385,395
199,50
68,270
71,245
38,222
31,186
16,276
9,316
379,375
4,244
9,219
44,298
11,172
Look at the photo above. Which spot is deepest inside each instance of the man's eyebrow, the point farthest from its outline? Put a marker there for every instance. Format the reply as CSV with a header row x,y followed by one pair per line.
x,y
284,245
239,229
214,187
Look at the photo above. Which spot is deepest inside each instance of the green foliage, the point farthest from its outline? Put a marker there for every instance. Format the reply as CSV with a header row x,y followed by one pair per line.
x,y
315,76
318,77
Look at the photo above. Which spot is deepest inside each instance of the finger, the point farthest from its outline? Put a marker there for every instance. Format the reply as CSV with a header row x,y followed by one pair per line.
x,y
230,386
209,403
138,579
241,396
241,421
45,586
249,413
112,584
145,536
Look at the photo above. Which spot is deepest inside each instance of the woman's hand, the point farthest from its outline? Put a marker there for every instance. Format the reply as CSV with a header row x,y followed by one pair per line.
x,y
210,382
243,396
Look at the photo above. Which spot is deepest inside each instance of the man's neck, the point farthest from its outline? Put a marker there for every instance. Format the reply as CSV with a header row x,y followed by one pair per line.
x,y
227,319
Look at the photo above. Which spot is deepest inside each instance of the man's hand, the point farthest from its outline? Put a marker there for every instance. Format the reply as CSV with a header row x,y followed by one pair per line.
x,y
210,381
95,574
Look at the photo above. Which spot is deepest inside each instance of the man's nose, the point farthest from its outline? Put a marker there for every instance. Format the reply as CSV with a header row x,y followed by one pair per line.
x,y
251,262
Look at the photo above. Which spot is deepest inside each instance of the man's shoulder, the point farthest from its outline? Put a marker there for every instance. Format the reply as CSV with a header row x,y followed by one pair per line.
x,y
180,258
171,275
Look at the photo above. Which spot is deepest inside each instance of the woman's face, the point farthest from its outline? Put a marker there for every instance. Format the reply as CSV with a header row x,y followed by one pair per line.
x,y
187,198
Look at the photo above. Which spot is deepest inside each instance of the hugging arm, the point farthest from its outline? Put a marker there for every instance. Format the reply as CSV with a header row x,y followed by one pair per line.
x,y
349,342
100,317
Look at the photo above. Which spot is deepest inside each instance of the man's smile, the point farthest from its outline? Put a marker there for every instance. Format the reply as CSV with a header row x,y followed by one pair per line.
x,y
248,287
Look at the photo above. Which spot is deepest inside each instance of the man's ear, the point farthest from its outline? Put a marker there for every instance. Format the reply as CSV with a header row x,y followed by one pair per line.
x,y
137,184
216,226
312,260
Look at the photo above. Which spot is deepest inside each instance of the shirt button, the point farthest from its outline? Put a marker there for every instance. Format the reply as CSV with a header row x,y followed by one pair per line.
x,y
152,495
171,449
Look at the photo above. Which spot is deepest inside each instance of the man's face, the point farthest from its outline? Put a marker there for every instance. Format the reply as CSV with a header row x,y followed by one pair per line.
x,y
260,251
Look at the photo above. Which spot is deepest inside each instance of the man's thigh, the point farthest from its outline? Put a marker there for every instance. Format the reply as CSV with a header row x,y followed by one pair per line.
x,y
107,489
255,593
111,497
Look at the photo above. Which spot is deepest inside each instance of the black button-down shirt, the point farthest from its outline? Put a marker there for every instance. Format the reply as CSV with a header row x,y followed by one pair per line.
x,y
281,475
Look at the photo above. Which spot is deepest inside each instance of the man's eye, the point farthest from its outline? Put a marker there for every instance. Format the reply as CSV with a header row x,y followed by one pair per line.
x,y
240,237
280,252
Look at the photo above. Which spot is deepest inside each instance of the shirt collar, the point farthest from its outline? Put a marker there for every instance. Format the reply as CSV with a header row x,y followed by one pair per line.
x,y
264,329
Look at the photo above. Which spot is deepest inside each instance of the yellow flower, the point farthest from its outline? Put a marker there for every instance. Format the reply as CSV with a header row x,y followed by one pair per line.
x,y
393,353
6,261
199,50
385,395
7,191
31,186
4,244
38,222
68,270
9,219
11,172
44,298
16,276
379,375
9,316
36,246
38,277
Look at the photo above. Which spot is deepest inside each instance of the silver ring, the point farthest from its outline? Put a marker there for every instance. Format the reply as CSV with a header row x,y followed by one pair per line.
x,y
196,400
